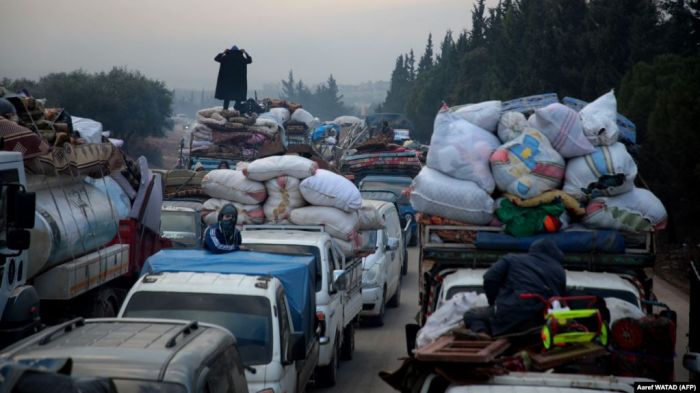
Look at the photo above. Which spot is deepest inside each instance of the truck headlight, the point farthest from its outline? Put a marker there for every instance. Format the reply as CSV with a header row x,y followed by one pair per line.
x,y
371,275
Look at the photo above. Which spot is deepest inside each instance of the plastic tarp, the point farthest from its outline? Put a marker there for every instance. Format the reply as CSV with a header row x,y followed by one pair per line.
x,y
89,129
296,272
568,241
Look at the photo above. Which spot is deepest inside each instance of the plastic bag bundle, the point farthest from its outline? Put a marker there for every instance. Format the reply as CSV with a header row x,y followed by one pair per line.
x,y
247,214
281,114
608,171
511,125
484,114
461,150
636,211
326,188
527,166
283,195
267,168
337,223
232,185
461,200
599,120
369,216
562,126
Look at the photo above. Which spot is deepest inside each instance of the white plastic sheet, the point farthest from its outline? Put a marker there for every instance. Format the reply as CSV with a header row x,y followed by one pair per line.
x,y
448,316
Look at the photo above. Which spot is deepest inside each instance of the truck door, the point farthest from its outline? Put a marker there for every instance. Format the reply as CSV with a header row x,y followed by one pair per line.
x,y
393,228
336,304
289,373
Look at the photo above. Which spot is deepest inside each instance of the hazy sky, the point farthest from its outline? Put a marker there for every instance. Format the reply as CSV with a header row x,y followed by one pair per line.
x,y
176,40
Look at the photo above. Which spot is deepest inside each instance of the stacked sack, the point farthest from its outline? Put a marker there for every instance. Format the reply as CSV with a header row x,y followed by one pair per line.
x,y
546,171
291,189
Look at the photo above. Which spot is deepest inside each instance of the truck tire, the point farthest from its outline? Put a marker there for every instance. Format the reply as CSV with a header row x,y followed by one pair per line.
x,y
103,304
326,376
348,347
395,300
379,319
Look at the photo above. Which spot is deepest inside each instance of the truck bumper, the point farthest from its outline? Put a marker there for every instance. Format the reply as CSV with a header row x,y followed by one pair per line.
x,y
20,318
371,301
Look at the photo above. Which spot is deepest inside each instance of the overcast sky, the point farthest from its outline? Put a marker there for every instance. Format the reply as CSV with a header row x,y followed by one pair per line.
x,y
176,40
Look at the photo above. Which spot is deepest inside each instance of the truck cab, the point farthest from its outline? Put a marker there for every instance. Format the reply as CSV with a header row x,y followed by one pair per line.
x,y
272,320
392,188
337,304
181,223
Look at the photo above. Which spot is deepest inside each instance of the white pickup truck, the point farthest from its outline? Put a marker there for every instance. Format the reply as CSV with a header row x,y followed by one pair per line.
x,y
339,309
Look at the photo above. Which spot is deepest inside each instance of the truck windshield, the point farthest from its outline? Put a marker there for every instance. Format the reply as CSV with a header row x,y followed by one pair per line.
x,y
177,221
293,250
249,318
397,188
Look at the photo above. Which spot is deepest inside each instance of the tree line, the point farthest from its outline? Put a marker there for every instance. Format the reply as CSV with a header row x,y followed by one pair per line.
x,y
647,50
324,102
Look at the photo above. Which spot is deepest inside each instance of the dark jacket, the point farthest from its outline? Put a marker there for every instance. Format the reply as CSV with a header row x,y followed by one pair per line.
x,y
216,242
232,82
539,272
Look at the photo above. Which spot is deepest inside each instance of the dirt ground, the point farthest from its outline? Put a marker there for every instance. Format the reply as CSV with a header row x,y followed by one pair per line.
x,y
170,144
672,264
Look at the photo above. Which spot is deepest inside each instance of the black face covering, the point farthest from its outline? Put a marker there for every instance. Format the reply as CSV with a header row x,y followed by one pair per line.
x,y
228,228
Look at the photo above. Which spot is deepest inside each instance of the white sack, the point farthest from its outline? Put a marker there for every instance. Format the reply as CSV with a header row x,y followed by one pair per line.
x,y
337,223
622,309
283,195
232,185
369,216
511,125
303,116
241,166
461,150
599,120
484,114
89,129
326,188
441,195
562,126
449,316
267,168
604,161
636,211
247,214
527,166
347,120
280,113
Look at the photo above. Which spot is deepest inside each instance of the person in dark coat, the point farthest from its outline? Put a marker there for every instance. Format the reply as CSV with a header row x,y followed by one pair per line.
x,y
538,272
232,82
223,236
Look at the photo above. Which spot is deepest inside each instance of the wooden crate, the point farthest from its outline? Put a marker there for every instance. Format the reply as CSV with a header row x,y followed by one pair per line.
x,y
451,349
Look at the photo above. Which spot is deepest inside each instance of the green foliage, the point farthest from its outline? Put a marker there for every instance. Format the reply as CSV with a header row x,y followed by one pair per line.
x,y
325,102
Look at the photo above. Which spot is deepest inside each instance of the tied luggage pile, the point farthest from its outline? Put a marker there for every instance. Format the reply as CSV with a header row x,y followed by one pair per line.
x,y
290,189
241,135
548,166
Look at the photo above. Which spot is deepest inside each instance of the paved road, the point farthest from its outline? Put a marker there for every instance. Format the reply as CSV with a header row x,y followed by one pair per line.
x,y
380,348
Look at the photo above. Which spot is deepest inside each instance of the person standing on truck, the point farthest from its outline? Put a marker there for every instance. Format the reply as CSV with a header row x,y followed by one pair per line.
x,y
538,272
232,82
223,236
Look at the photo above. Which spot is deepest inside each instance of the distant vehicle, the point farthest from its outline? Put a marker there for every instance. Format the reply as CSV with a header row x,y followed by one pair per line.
x,y
402,126
381,271
398,185
141,355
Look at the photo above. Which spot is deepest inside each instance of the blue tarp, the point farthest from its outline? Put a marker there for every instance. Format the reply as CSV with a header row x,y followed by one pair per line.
x,y
603,241
296,272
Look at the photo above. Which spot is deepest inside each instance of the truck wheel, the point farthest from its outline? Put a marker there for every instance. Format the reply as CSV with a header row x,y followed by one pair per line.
x,y
326,376
396,299
346,351
104,304
379,319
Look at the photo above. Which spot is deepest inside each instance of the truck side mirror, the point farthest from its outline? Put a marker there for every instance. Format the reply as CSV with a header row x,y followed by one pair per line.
x,y
392,244
340,280
18,239
298,346
20,208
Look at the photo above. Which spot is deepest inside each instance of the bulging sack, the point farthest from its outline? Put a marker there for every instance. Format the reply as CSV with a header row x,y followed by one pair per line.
x,y
337,223
283,196
461,150
511,125
326,188
267,168
232,185
599,120
484,114
636,211
247,214
302,115
282,114
608,171
562,126
527,166
369,216
441,195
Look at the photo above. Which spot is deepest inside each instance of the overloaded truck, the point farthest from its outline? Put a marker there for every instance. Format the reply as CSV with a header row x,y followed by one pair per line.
x,y
265,299
85,243
608,323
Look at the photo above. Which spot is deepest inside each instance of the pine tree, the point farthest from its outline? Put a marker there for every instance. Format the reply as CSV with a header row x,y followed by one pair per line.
x,y
426,61
288,88
411,66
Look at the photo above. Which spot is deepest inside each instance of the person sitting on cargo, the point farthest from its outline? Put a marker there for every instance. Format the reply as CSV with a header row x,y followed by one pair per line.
x,y
223,236
539,272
